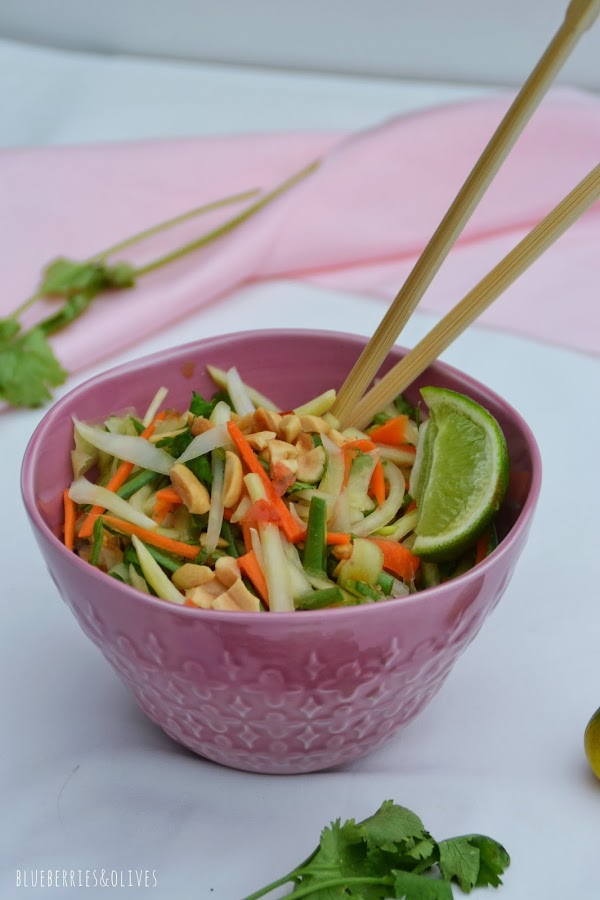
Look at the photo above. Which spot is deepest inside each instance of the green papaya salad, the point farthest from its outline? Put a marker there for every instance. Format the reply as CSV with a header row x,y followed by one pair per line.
x,y
233,504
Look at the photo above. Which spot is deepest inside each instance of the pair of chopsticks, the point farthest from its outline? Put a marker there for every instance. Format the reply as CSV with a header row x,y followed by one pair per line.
x,y
351,406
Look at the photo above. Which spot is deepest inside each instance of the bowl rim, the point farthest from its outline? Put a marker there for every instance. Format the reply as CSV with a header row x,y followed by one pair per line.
x,y
35,443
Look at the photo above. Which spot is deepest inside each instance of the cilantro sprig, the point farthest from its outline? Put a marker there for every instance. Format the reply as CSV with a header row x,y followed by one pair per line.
x,y
29,368
391,854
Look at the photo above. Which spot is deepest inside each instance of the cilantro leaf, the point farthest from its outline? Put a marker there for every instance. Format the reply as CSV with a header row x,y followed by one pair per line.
x,y
391,852
424,852
28,368
200,465
201,407
405,408
202,469
8,329
65,277
493,860
336,854
380,418
368,850
342,855
71,309
459,861
415,887
391,828
473,861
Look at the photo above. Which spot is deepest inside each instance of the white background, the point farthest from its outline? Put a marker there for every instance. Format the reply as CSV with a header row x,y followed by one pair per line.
x,y
454,40
87,782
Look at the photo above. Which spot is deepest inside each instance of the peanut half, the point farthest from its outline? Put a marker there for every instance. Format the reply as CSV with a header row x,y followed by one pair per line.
x,y
233,479
192,491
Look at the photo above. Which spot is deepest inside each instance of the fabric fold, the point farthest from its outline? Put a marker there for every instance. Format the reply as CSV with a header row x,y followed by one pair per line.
x,y
358,224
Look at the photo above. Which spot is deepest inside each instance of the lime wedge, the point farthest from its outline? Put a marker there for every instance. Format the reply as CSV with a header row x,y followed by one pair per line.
x,y
460,474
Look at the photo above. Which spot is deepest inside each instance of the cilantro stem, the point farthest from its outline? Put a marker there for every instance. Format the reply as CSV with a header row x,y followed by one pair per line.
x,y
176,220
291,876
230,225
319,885
146,233
28,365
271,887
26,304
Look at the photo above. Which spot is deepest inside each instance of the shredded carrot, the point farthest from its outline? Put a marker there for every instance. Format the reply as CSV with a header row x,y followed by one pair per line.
x,y
292,530
70,516
166,501
337,537
250,567
155,540
246,536
377,483
397,559
161,511
411,506
391,432
482,547
118,480
168,495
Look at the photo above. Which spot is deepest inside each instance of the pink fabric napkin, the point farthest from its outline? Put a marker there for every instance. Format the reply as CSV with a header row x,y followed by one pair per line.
x,y
357,224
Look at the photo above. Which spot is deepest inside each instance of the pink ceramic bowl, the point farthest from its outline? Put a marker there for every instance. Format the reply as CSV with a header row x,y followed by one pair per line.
x,y
278,693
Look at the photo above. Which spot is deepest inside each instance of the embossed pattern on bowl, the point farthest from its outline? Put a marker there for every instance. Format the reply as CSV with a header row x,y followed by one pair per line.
x,y
272,693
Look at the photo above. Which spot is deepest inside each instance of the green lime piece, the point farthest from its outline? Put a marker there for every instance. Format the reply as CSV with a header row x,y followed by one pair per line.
x,y
460,475
591,743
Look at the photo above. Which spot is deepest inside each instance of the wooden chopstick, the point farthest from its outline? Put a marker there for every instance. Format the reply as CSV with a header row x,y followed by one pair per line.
x,y
483,294
579,16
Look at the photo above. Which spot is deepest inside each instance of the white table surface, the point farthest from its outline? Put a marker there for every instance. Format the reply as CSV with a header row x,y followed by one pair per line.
x,y
89,783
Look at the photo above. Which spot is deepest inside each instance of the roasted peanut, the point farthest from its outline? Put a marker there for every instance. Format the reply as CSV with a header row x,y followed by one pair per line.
x,y
190,575
233,479
200,597
226,602
311,465
244,423
240,594
221,542
191,490
314,425
227,570
281,450
304,442
289,427
200,425
266,420
258,440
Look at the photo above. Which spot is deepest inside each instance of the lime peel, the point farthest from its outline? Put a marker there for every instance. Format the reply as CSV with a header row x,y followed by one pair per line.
x,y
591,742
462,475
